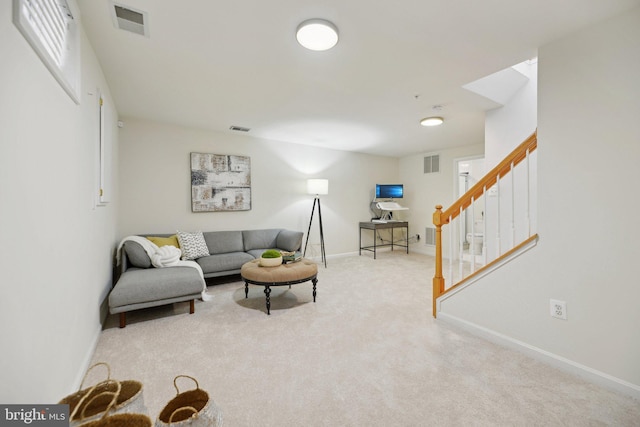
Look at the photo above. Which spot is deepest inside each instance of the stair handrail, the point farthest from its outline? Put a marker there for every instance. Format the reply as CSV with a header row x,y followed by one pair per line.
x,y
441,217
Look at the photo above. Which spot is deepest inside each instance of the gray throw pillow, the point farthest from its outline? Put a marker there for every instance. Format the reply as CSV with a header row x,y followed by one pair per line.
x,y
136,254
289,240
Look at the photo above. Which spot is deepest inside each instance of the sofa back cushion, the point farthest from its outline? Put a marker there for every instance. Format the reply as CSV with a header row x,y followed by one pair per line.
x,y
222,242
260,239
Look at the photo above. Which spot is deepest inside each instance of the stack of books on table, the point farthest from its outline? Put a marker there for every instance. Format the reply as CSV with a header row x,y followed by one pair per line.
x,y
291,256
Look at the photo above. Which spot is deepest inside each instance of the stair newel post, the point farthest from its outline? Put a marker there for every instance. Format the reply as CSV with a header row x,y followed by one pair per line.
x,y
438,279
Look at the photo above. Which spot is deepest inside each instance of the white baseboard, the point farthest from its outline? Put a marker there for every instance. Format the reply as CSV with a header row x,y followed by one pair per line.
x,y
86,360
562,363
423,249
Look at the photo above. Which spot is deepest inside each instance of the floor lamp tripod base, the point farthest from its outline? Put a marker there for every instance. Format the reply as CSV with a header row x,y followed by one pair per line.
x,y
316,200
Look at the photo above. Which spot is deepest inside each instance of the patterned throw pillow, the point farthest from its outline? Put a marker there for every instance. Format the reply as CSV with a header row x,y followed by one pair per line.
x,y
192,244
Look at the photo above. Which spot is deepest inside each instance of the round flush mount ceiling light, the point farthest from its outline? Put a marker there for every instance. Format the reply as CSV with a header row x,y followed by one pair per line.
x,y
317,34
432,121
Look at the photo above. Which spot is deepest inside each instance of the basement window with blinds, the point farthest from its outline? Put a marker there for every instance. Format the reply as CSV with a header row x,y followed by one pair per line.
x,y
52,31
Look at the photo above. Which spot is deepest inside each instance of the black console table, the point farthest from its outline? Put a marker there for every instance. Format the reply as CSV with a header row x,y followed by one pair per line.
x,y
381,226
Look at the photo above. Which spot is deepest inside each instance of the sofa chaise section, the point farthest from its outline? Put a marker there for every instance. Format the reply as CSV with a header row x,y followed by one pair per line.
x,y
142,288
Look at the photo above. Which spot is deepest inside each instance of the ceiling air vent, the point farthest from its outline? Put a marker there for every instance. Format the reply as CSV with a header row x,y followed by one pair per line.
x,y
128,19
239,128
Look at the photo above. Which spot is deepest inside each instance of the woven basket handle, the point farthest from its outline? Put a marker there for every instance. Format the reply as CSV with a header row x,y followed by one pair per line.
x,y
175,384
184,408
91,368
87,394
81,401
114,400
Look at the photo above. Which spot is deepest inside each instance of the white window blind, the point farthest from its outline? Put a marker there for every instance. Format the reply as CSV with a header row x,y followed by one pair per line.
x,y
52,31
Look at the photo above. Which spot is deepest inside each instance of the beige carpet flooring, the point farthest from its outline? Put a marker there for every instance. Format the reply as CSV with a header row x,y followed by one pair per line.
x,y
367,353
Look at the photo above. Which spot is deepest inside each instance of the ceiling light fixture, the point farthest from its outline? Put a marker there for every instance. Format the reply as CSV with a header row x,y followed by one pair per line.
x,y
317,34
432,121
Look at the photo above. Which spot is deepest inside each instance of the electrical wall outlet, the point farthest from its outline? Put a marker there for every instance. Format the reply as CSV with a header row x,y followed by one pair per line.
x,y
558,309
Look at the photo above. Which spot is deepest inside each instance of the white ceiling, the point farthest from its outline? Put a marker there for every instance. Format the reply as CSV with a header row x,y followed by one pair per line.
x,y
213,64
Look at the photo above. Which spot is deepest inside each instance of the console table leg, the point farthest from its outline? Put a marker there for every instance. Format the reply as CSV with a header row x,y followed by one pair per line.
x,y
267,291
375,236
314,289
391,239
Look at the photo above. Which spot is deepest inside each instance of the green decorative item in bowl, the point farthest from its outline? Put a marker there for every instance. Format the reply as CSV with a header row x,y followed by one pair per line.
x,y
271,258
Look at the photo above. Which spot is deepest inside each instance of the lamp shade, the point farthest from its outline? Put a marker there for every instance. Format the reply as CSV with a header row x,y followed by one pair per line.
x,y
318,186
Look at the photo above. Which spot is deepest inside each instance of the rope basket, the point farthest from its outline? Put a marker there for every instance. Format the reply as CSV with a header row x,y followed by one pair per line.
x,y
117,420
191,408
90,403
121,420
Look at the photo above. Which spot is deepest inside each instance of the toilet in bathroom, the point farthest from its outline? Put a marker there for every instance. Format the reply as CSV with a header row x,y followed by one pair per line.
x,y
477,237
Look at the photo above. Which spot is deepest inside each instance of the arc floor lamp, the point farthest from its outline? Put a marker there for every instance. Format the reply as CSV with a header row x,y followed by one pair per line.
x,y
317,187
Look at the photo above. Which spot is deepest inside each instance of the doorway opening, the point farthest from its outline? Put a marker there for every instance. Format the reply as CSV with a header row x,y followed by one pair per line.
x,y
468,171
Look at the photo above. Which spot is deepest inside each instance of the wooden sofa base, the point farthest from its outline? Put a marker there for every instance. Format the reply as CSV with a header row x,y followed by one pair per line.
x,y
123,315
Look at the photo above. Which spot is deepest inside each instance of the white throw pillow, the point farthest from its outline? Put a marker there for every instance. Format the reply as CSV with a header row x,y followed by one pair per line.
x,y
193,244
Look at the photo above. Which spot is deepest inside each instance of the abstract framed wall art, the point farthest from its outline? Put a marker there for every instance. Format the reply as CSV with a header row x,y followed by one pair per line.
x,y
220,182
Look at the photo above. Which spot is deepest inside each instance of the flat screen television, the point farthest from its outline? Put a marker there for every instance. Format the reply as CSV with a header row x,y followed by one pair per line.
x,y
389,191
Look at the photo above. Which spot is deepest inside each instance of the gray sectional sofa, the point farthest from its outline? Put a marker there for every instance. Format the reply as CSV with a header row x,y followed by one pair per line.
x,y
140,285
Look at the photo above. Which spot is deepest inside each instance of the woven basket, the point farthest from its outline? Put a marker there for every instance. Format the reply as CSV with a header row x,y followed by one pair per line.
x,y
90,403
192,408
117,420
121,420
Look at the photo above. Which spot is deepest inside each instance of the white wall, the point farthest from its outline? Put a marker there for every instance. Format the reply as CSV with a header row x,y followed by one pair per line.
x,y
156,187
425,191
589,145
57,248
505,129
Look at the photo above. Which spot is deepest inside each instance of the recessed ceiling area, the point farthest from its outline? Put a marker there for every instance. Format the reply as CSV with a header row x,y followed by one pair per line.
x,y
212,65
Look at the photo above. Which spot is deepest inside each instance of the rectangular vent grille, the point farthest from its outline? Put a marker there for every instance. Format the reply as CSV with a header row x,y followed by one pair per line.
x,y
430,236
131,20
239,128
432,164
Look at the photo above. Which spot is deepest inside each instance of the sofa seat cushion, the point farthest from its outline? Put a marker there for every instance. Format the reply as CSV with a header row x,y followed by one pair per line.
x,y
154,284
223,262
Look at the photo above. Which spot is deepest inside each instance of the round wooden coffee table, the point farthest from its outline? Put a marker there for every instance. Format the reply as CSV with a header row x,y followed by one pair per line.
x,y
286,274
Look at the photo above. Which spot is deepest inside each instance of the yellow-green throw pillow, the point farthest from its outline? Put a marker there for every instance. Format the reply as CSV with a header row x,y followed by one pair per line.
x,y
165,241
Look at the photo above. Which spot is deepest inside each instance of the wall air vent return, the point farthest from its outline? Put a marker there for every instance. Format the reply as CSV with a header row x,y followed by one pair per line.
x,y
430,236
125,18
432,164
239,128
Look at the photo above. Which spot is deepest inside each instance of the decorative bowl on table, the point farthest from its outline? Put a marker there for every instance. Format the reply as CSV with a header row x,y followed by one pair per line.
x,y
271,258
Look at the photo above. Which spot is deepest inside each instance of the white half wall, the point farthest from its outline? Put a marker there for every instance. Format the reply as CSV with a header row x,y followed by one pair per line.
x,y
156,185
56,256
589,145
